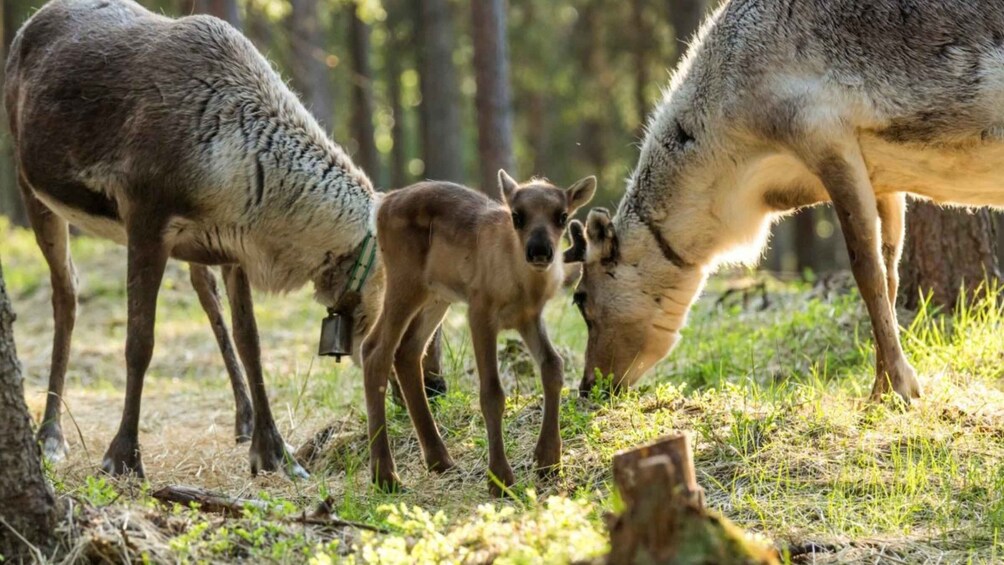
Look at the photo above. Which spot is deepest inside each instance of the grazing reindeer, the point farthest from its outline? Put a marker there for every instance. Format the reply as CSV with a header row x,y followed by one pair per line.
x,y
784,104
177,139
442,243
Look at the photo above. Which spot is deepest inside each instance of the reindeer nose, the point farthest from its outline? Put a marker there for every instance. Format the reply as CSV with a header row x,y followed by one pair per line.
x,y
539,253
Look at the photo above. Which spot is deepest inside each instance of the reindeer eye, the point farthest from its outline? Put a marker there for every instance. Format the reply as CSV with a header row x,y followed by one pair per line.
x,y
683,137
517,220
563,219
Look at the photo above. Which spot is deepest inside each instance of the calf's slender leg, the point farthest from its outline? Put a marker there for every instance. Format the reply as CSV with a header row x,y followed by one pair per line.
x,y
52,236
892,215
408,364
147,257
548,451
268,450
401,304
432,370
845,177
484,331
204,282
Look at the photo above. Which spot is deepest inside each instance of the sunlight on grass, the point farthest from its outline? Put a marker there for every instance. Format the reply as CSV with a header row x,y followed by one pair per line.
x,y
785,443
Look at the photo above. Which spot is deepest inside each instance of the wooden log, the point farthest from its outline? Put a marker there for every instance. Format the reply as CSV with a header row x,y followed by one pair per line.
x,y
664,520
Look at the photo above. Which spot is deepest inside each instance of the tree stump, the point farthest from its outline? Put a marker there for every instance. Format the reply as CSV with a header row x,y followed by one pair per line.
x,y
664,520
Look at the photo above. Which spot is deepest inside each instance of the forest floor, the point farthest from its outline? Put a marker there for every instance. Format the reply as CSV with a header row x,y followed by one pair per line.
x,y
785,444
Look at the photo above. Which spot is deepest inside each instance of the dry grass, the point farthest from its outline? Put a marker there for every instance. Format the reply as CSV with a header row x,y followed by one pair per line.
x,y
784,444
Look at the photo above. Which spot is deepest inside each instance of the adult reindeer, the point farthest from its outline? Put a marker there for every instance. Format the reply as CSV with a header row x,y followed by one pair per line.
x,y
177,139
781,104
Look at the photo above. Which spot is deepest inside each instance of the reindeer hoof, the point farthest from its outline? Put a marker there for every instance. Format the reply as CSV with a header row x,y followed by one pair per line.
x,y
435,386
440,464
123,458
388,482
499,482
548,459
269,453
54,446
902,380
243,428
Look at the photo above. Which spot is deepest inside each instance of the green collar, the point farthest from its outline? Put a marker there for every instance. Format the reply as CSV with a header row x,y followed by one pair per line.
x,y
364,261
371,242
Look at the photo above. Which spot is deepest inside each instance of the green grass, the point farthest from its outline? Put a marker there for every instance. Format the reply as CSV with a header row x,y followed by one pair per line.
x,y
785,444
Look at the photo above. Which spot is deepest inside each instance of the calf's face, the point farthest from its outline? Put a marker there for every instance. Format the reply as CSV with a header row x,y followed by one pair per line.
x,y
540,212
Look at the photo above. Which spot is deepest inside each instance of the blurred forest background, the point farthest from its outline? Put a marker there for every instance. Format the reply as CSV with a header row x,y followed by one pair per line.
x,y
557,88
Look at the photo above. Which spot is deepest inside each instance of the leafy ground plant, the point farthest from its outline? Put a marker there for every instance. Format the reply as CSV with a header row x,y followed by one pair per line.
x,y
785,444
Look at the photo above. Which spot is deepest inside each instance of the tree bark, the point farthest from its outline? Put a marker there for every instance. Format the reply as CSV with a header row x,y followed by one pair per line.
x,y
362,95
225,10
491,71
594,64
805,240
10,195
259,28
27,503
642,47
398,157
686,17
440,106
308,63
664,520
947,251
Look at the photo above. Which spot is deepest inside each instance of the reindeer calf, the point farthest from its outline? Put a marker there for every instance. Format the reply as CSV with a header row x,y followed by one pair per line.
x,y
442,243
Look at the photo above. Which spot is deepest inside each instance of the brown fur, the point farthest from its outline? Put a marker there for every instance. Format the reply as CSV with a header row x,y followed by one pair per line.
x,y
442,243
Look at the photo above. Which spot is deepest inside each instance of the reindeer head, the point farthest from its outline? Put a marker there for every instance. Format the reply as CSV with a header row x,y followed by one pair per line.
x,y
540,213
634,302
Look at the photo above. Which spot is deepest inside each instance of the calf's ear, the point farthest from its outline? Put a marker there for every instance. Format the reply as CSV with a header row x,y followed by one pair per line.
x,y
580,193
507,186
601,236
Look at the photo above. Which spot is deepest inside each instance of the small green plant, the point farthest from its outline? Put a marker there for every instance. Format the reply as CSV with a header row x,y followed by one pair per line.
x,y
98,491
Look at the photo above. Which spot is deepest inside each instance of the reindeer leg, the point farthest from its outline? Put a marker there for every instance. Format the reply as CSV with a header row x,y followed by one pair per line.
x,y
53,239
268,450
435,384
846,180
204,282
892,214
548,451
147,258
408,364
484,333
400,306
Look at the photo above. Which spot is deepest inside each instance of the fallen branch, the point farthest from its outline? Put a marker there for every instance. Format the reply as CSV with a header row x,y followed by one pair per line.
x,y
216,503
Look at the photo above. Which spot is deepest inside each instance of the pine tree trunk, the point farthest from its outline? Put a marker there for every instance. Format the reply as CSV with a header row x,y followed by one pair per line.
x,y
259,28
440,107
642,47
491,67
398,157
225,10
686,17
945,251
362,96
10,195
594,65
27,502
307,64
805,240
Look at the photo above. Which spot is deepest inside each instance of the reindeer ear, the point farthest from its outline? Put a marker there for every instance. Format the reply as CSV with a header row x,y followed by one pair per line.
x,y
577,252
601,235
580,193
507,186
